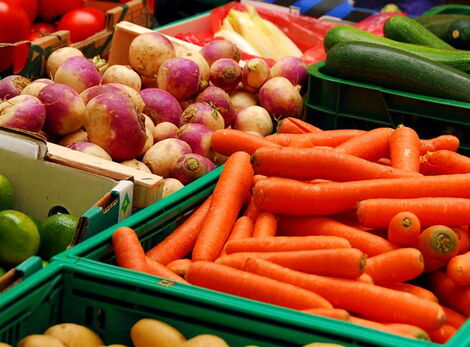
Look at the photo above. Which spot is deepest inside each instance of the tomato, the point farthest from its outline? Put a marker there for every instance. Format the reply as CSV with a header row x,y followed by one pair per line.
x,y
14,22
30,7
50,9
82,22
43,28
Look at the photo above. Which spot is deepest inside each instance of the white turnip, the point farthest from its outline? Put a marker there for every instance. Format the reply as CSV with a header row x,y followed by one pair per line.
x,y
204,67
161,157
254,119
77,136
164,130
241,99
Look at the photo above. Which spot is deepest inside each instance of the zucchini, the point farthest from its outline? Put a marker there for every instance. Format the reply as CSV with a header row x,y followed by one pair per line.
x,y
439,24
396,69
459,33
456,58
405,29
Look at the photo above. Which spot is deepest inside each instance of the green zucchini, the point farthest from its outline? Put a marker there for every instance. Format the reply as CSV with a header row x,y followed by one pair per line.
x,y
439,24
405,29
396,69
456,58
459,33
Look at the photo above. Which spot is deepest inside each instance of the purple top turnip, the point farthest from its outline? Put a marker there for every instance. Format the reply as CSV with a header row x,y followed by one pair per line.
x,y
161,157
135,164
292,68
226,73
130,93
255,119
164,130
203,113
242,99
180,77
90,148
190,167
124,75
77,136
58,57
91,92
36,86
255,73
161,106
204,67
12,86
280,98
23,112
219,99
217,49
78,73
197,136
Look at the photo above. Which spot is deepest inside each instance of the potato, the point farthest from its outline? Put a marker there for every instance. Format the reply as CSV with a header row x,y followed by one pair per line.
x,y
40,341
205,340
74,335
151,332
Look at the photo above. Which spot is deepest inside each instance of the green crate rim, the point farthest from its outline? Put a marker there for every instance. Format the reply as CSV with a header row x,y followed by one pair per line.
x,y
447,9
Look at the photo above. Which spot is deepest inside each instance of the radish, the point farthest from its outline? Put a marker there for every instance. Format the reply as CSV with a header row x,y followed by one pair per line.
x,y
36,86
219,99
292,68
255,73
161,106
78,73
57,58
164,130
12,86
148,51
180,77
124,75
161,157
113,123
216,49
204,114
197,136
204,67
90,148
242,99
190,167
280,98
23,112
254,118
170,185
226,73
77,136
134,163
65,110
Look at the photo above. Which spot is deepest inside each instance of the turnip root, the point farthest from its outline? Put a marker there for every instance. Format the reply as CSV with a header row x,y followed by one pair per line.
x,y
242,99
161,157
161,106
90,148
36,86
149,137
171,185
77,136
12,86
226,73
91,92
198,137
180,77
204,67
255,73
134,163
131,93
219,99
254,118
113,123
148,51
65,110
164,130
23,112
57,58
190,167
292,68
219,159
204,114
217,49
280,98
149,82
124,75
78,73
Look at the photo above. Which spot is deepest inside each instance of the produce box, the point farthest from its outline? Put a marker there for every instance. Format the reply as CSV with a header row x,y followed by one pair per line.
x,y
448,9
337,103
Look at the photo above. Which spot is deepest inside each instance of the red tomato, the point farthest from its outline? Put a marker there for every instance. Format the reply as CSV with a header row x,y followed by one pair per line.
x,y
82,23
50,9
35,36
14,22
30,6
43,28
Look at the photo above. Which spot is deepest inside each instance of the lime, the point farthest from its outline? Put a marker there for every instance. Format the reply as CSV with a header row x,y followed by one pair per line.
x,y
19,237
56,234
7,201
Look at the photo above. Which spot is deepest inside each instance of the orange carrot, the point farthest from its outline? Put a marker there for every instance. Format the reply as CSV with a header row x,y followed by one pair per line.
x,y
374,302
448,142
413,330
454,318
371,145
384,161
403,229
242,229
399,265
464,238
227,199
157,269
443,334
257,178
292,125
265,225
444,162
181,241
449,294
286,196
377,213
379,326
420,292
128,250
335,313
286,244
458,269
236,282
311,163
405,149
330,138
438,244
368,243
251,211
180,266
229,141
365,278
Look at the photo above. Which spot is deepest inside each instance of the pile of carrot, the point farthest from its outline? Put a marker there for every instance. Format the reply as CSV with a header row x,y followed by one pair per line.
x,y
369,227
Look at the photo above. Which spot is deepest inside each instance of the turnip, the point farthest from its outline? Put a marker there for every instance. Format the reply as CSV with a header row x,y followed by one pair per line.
x,y
170,185
12,86
149,136
134,163
114,123
219,99
90,148
57,58
77,136
161,157
132,94
36,86
78,73
161,106
65,110
254,118
164,130
124,75
216,49
23,112
280,98
180,77
255,73
198,137
219,159
242,99
204,67
149,82
203,113
148,51
190,167
292,68
148,122
226,73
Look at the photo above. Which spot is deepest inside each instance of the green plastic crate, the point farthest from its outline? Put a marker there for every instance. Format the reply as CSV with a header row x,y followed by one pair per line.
x,y
334,103
448,9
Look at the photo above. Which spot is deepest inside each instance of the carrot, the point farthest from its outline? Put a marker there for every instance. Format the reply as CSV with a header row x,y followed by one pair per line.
x,y
227,199
180,266
384,161
420,292
371,145
374,302
458,269
444,162
399,265
157,269
181,241
448,293
335,313
292,125
413,330
330,138
464,238
242,229
443,334
251,210
312,163
236,282
405,149
379,326
438,244
257,178
286,244
229,141
286,196
366,278
265,225
368,243
128,250
454,318
448,142
403,229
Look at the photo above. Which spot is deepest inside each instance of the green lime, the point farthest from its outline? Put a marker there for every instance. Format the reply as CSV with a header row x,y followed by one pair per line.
x,y
7,199
56,234
19,237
